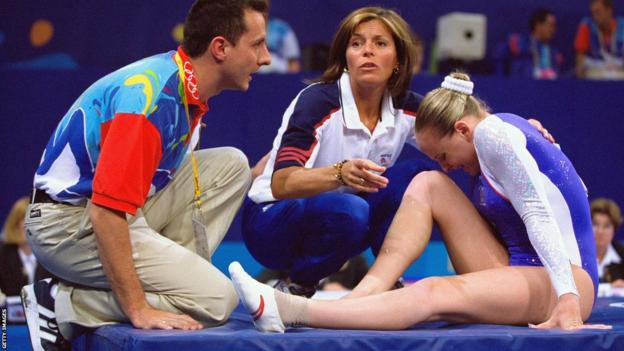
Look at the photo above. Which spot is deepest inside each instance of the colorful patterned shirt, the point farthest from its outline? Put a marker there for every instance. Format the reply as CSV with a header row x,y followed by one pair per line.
x,y
124,137
530,57
597,44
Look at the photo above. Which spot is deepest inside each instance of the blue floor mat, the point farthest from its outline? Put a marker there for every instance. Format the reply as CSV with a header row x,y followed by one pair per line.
x,y
239,334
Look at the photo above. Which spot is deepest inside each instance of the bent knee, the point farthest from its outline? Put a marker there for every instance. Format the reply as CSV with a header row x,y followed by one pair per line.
x,y
424,183
237,160
233,165
235,156
429,285
427,290
346,210
227,156
219,306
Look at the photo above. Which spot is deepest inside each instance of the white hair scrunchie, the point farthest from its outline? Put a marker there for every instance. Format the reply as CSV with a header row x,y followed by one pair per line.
x,y
458,85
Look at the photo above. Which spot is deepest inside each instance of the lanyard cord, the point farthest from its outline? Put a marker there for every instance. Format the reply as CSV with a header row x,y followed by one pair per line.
x,y
197,195
602,42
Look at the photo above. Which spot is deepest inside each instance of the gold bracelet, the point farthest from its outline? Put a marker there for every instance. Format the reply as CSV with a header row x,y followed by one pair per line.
x,y
338,168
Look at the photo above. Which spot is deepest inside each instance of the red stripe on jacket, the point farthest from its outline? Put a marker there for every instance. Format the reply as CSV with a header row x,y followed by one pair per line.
x,y
304,152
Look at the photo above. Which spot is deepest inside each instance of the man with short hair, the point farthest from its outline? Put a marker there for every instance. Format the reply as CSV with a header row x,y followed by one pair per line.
x,y
123,211
533,54
599,43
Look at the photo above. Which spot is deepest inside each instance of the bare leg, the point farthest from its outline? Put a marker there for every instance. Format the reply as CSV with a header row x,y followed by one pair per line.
x,y
508,295
433,196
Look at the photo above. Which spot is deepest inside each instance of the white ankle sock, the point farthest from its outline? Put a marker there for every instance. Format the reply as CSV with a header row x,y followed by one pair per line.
x,y
258,299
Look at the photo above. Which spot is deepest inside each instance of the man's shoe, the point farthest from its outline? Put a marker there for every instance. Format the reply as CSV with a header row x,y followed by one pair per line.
x,y
40,317
287,287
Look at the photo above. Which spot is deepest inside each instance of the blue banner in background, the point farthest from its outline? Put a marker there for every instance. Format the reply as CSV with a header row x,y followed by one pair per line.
x,y
109,34
584,116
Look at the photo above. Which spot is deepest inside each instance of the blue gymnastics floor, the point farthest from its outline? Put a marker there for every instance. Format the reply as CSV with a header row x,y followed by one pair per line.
x,y
239,334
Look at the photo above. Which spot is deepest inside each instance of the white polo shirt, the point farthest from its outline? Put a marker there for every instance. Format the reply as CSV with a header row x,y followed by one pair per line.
x,y
322,126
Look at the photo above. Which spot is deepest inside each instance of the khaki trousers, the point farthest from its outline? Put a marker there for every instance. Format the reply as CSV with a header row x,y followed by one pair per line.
x,y
174,277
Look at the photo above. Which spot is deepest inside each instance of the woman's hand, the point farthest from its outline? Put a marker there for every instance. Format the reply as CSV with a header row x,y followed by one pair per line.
x,y
540,128
618,283
369,285
258,168
567,316
360,175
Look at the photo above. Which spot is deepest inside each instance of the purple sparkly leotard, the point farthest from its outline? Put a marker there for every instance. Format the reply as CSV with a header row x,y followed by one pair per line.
x,y
531,194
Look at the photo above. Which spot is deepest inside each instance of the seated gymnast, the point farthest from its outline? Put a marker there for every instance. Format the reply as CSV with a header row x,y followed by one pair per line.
x,y
522,244
331,186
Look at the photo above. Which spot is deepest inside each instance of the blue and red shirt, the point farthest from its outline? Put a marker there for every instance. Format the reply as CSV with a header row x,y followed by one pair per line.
x,y
594,43
124,138
526,56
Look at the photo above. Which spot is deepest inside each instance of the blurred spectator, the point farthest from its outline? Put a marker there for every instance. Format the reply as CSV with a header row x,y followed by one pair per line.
x,y
599,43
18,265
284,47
606,219
315,57
532,55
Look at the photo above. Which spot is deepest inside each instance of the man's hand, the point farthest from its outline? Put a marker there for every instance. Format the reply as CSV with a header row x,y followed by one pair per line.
x,y
150,318
113,238
258,168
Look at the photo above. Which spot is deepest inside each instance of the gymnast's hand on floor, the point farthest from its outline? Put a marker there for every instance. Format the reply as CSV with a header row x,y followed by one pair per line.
x,y
150,318
567,316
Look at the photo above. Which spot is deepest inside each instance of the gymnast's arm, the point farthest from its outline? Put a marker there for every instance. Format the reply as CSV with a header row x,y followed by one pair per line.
x,y
505,158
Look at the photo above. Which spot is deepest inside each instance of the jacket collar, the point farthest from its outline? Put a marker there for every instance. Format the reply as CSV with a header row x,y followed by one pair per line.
x,y
350,112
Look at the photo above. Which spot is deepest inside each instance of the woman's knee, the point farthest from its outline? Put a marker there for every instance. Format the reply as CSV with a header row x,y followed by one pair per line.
x,y
336,222
357,233
424,184
348,209
272,234
427,291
